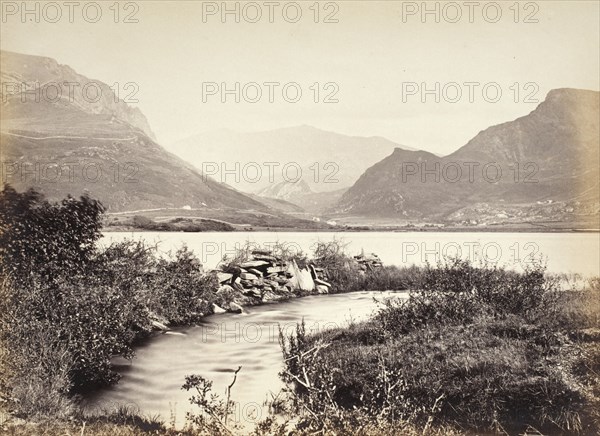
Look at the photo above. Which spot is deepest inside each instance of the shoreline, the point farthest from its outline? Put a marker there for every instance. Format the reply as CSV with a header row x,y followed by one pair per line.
x,y
117,229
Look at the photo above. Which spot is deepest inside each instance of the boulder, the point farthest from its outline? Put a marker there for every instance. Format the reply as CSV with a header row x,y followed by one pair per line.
x,y
237,284
322,283
300,278
224,277
159,325
255,272
252,292
248,276
270,296
235,308
265,257
254,264
322,289
217,309
225,289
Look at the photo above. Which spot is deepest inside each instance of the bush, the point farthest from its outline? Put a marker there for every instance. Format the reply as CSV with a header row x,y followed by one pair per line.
x,y
68,307
46,238
345,275
481,349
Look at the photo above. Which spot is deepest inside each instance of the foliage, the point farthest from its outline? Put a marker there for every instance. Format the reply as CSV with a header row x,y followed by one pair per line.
x,y
68,306
476,348
180,224
36,235
345,275
214,411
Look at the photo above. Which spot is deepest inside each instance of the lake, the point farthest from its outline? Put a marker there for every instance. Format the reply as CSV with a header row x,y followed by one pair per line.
x,y
563,252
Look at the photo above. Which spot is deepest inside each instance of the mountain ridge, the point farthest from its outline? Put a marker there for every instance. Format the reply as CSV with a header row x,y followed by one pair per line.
x,y
549,155
69,146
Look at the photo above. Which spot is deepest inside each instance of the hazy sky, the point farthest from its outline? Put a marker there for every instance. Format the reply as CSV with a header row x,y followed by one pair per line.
x,y
374,52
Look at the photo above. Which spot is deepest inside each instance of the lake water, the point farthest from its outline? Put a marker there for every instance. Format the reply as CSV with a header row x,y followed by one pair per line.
x,y
152,382
563,252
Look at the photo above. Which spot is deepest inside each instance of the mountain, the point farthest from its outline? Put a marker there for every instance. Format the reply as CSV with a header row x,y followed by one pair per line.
x,y
21,72
299,194
279,204
540,166
286,190
326,161
62,143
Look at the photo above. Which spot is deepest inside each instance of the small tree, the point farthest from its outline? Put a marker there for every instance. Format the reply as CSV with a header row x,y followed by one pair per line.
x,y
36,235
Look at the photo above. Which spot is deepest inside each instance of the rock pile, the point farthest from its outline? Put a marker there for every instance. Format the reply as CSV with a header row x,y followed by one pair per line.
x,y
368,262
265,277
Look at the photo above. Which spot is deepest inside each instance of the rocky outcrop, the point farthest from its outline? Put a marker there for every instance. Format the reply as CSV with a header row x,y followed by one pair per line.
x,y
47,76
263,278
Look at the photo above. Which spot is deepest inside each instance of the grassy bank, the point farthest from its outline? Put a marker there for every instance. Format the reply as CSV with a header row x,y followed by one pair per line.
x,y
68,306
474,350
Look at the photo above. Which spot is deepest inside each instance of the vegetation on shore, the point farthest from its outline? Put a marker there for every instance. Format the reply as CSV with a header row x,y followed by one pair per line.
x,y
180,224
474,349
68,305
477,350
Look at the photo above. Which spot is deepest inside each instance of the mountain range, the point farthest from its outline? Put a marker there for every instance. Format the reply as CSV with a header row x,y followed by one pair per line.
x,y
541,166
323,160
73,143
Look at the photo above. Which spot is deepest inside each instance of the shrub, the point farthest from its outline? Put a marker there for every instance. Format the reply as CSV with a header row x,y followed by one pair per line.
x,y
182,293
46,238
68,307
459,353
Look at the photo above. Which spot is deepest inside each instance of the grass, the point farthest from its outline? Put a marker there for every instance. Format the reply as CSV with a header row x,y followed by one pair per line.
x,y
476,350
179,224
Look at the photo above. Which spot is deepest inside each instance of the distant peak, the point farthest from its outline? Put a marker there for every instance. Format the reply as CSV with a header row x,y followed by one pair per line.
x,y
561,93
403,150
304,127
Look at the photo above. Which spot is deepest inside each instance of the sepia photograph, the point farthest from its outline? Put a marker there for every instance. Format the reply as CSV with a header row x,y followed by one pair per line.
x,y
294,218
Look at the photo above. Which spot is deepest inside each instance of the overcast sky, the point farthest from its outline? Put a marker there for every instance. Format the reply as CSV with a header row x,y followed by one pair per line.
x,y
373,53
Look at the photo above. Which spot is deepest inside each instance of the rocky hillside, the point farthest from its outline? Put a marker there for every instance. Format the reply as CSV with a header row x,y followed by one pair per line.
x,y
69,145
286,190
58,82
541,166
